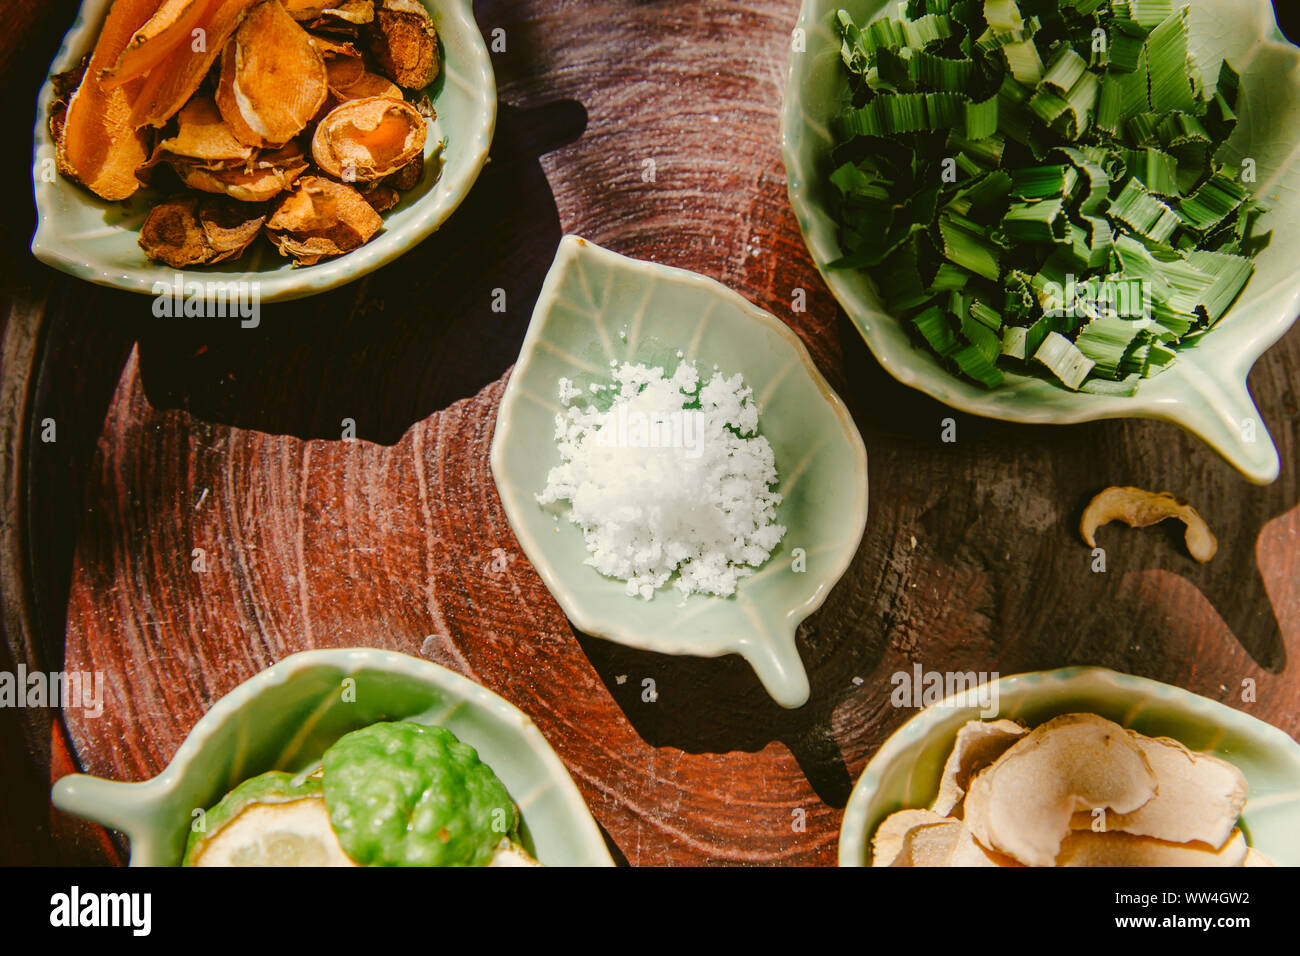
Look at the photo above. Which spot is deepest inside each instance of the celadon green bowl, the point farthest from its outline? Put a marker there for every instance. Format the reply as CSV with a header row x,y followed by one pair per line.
x,y
285,717
905,772
596,307
1205,389
95,240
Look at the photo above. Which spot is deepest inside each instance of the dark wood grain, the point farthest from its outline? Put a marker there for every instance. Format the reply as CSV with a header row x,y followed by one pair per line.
x,y
175,437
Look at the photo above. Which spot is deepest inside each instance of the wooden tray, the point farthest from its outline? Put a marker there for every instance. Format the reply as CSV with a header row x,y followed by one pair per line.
x,y
652,129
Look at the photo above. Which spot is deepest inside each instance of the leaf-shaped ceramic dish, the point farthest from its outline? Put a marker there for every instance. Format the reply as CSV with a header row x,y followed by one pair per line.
x,y
95,240
905,772
284,719
1205,390
596,307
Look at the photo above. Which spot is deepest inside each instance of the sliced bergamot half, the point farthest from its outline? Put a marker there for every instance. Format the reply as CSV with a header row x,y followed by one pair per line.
x,y
274,819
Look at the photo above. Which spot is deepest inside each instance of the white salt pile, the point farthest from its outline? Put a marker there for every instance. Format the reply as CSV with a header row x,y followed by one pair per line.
x,y
672,479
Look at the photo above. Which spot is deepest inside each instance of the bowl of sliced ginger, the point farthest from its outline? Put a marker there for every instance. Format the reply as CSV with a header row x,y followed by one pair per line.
x,y
294,144
1080,766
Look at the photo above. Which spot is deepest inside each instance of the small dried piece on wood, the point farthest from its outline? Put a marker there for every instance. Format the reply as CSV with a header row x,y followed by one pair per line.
x,y
403,40
191,230
1139,509
368,139
321,218
273,79
95,142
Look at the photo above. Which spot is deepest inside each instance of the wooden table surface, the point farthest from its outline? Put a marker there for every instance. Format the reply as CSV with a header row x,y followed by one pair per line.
x,y
181,435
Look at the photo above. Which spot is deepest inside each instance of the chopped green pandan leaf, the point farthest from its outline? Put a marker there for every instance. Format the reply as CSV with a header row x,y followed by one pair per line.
x,y
963,244
1036,222
1230,274
974,363
1064,360
1217,198
1015,340
935,328
1108,341
982,337
1156,170
940,72
1143,213
1171,86
1043,182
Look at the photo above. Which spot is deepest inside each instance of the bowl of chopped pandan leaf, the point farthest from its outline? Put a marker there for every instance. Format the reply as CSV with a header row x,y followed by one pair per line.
x,y
1080,766
268,148
352,758
1056,211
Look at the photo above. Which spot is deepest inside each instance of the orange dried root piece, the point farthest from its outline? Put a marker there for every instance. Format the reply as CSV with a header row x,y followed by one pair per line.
x,y
273,80
176,77
363,87
408,177
306,9
403,40
368,139
190,230
202,135
172,25
321,218
96,143
268,175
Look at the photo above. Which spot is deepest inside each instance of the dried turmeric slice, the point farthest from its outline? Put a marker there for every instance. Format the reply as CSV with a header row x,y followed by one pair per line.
x,y
368,139
355,12
305,9
321,218
273,80
202,134
271,173
381,197
172,25
95,141
408,177
403,40
180,73
364,86
190,230
341,72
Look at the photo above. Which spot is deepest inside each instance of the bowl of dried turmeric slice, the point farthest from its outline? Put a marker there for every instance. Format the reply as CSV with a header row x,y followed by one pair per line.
x,y
295,144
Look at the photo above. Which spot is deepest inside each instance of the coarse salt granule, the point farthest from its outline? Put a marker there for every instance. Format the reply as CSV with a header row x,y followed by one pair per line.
x,y
670,481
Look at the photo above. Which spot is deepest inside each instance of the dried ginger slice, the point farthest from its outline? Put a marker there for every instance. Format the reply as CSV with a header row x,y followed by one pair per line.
x,y
273,79
95,142
368,139
190,230
321,218
170,84
403,40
